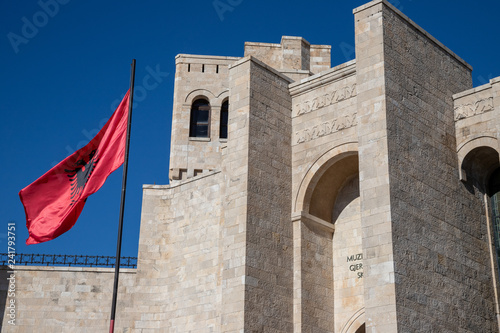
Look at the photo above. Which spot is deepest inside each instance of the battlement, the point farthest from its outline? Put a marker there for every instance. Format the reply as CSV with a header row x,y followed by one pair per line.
x,y
189,63
294,56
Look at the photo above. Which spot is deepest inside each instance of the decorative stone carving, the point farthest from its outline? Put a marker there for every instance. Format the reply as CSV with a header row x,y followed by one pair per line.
x,y
325,128
327,99
471,109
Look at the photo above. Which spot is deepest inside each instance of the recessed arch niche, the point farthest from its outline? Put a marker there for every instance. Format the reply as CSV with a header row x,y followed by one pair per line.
x,y
313,182
332,261
479,164
328,185
480,171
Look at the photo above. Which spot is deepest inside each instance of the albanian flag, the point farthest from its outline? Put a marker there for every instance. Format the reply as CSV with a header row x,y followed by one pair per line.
x,y
54,201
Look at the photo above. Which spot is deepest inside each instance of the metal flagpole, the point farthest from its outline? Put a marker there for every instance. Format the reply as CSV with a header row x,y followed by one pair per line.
x,y
122,204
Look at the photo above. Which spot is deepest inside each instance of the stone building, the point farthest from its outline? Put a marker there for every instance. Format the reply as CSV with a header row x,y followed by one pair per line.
x,y
305,198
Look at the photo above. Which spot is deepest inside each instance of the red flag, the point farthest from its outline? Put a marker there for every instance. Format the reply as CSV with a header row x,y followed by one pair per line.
x,y
54,201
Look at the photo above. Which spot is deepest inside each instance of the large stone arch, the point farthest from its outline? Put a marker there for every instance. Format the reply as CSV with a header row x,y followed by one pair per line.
x,y
214,99
197,93
355,323
317,170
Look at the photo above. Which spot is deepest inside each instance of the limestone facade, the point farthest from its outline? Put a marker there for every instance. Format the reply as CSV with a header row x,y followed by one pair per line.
x,y
359,198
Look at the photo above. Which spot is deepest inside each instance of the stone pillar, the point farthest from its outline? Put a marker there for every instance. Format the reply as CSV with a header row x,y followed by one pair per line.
x,y
257,233
313,274
411,194
378,260
320,58
495,91
234,207
296,53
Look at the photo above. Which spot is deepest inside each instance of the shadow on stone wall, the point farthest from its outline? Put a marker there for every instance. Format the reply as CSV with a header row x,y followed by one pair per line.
x,y
4,287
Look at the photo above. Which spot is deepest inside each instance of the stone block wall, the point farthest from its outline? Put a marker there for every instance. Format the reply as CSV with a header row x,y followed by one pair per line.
x,y
179,282
234,203
442,267
269,234
376,224
66,299
258,263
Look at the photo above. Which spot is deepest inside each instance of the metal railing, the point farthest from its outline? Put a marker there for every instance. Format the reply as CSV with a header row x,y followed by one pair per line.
x,y
7,259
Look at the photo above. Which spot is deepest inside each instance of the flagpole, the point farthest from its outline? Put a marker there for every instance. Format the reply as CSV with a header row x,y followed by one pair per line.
x,y
122,204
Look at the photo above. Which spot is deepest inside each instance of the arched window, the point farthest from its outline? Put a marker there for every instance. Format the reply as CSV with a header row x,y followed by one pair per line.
x,y
200,119
224,114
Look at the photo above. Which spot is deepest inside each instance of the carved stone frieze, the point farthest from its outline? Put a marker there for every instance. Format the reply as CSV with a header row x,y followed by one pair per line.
x,y
470,109
332,97
325,128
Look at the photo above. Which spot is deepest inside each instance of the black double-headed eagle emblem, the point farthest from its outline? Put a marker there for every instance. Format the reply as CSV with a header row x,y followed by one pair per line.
x,y
79,176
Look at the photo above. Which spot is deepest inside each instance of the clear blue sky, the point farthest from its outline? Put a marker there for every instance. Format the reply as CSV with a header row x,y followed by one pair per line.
x,y
63,72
